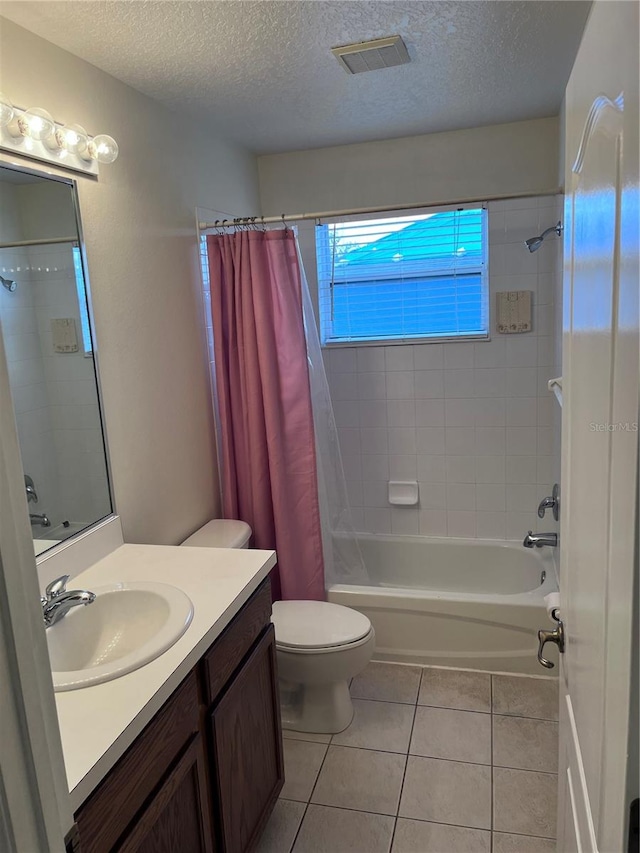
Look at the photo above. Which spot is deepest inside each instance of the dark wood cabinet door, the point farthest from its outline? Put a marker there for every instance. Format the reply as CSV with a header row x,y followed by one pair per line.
x,y
247,748
176,819
122,795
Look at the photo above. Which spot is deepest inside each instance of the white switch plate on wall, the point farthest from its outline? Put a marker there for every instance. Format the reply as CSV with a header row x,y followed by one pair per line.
x,y
513,310
65,336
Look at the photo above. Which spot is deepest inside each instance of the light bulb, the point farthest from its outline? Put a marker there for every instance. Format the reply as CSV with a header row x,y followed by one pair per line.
x,y
36,123
7,111
103,148
72,138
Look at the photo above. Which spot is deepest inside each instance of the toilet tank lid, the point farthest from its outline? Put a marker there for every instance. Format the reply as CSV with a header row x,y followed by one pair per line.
x,y
220,533
317,624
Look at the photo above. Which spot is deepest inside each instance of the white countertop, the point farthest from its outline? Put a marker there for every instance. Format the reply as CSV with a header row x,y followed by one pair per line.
x,y
98,723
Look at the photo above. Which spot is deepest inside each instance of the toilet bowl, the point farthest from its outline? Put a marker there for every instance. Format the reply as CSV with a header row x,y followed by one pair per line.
x,y
320,647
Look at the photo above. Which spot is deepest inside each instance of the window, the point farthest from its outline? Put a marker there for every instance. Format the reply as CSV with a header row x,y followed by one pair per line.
x,y
404,278
85,328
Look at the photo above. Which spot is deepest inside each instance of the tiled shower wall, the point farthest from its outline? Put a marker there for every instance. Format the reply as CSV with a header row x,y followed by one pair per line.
x,y
28,383
54,394
472,422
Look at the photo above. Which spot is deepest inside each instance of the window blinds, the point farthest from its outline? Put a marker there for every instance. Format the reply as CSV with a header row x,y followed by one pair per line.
x,y
403,277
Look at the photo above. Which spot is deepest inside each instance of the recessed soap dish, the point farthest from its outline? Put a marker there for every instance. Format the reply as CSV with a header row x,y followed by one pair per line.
x,y
403,492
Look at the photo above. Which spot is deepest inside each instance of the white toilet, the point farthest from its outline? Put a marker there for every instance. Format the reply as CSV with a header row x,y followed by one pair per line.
x,y
320,646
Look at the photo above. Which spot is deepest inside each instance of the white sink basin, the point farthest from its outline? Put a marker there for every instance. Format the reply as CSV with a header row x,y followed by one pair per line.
x,y
128,625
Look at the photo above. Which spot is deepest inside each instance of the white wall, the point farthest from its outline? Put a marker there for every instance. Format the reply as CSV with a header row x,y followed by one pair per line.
x,y
138,222
480,163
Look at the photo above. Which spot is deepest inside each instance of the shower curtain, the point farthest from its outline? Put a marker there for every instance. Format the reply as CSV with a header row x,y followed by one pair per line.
x,y
343,561
267,442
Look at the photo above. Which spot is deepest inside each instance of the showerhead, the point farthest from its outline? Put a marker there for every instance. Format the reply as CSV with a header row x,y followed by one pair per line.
x,y
534,243
9,284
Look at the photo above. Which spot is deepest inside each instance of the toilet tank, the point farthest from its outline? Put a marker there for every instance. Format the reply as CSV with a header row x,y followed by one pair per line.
x,y
221,533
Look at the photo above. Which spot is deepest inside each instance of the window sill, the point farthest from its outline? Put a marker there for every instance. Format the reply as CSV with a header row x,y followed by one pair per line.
x,y
391,342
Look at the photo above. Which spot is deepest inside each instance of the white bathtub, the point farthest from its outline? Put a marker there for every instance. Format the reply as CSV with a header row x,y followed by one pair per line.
x,y
467,603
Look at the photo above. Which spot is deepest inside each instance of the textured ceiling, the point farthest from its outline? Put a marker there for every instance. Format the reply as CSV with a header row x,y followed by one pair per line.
x,y
262,72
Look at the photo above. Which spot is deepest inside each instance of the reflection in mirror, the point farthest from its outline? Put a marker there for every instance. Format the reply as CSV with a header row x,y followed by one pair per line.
x,y
48,345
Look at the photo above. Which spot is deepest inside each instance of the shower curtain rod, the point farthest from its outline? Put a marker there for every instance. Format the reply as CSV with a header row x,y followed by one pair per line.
x,y
332,214
19,244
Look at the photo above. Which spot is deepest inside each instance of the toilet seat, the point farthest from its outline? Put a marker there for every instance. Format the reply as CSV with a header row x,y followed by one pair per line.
x,y
324,650
314,627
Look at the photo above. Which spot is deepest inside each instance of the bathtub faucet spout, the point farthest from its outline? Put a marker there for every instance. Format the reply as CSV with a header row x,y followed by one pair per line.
x,y
537,540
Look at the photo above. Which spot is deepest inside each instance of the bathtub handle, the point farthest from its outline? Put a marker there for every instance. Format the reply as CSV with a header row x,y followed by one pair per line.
x,y
552,502
556,636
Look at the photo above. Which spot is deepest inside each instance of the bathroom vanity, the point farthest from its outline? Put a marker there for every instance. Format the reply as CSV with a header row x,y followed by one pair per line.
x,y
185,753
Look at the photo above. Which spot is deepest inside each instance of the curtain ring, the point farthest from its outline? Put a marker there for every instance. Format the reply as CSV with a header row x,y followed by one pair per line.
x,y
286,227
264,227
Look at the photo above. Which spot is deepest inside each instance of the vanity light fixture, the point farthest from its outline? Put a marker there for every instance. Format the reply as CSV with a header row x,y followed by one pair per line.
x,y
35,123
35,133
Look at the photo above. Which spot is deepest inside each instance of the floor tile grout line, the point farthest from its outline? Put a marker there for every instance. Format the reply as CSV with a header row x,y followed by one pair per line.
x,y
492,794
382,701
431,757
308,803
406,762
437,707
324,758
421,819
525,717
295,837
416,819
393,831
357,811
523,835
453,708
458,669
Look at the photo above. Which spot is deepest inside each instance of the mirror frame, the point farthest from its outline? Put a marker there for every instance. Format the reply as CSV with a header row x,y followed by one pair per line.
x,y
72,183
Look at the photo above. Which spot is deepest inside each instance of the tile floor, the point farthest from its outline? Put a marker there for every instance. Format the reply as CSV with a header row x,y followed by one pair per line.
x,y
435,761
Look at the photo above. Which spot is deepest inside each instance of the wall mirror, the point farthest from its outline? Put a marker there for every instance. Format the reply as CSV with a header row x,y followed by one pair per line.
x,y
47,333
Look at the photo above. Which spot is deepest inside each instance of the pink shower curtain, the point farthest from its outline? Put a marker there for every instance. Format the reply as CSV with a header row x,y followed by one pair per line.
x,y
267,441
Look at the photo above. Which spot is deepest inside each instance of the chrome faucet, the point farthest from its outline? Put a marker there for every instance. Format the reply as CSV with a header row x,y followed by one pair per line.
x,y
56,601
32,495
37,519
551,502
538,540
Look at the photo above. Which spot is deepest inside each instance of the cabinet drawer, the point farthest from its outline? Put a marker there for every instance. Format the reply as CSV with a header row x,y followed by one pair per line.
x,y
113,805
230,648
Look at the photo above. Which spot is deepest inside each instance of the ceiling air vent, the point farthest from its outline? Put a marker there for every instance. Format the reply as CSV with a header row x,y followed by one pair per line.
x,y
372,55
